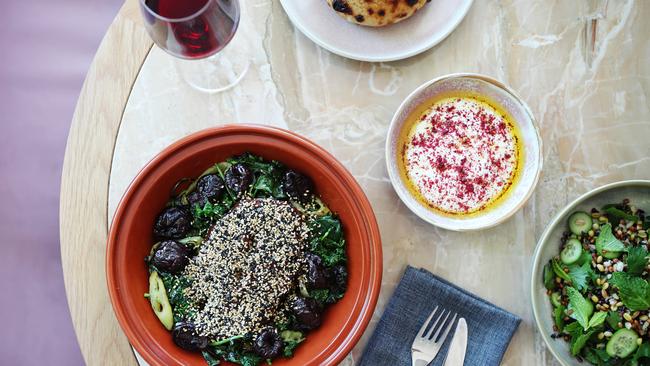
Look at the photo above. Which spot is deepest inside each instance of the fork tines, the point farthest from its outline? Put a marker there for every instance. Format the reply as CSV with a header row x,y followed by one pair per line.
x,y
438,325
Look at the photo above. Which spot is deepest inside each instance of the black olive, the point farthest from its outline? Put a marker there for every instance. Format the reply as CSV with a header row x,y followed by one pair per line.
x,y
297,186
268,344
195,198
238,178
211,187
173,222
316,273
186,337
338,279
307,312
170,257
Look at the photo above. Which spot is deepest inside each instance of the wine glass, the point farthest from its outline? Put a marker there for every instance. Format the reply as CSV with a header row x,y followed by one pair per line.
x,y
197,32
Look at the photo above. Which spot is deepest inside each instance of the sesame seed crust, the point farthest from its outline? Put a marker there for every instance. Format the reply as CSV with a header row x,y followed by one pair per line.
x,y
247,270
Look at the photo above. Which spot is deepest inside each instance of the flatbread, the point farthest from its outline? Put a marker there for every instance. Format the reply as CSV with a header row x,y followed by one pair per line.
x,y
376,13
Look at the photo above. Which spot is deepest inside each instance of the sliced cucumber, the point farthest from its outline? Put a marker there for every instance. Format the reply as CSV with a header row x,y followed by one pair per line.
x,y
580,222
555,299
622,343
571,252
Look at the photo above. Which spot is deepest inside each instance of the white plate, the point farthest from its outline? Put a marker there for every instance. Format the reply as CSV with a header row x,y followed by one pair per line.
x,y
531,143
407,38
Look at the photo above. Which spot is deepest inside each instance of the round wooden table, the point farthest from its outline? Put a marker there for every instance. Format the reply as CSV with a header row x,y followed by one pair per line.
x,y
584,72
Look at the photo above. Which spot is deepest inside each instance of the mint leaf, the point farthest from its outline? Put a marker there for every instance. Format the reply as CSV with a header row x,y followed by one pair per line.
x,y
597,319
578,343
613,318
597,356
579,274
634,291
607,241
642,352
615,215
559,271
581,308
637,260
573,329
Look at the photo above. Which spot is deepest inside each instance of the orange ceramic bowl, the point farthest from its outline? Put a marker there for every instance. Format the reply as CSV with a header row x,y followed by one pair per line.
x,y
131,238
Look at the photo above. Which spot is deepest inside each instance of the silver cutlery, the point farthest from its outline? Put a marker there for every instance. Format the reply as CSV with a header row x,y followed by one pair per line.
x,y
430,338
458,347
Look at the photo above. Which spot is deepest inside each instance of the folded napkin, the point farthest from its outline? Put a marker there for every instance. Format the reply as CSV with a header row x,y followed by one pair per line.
x,y
418,293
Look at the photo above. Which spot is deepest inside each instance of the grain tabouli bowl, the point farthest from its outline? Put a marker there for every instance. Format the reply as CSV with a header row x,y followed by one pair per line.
x,y
258,247
463,152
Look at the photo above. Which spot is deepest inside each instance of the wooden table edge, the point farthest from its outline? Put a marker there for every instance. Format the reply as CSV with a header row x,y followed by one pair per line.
x,y
85,179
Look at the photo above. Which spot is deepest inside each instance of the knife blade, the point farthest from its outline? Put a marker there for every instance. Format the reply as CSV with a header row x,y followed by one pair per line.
x,y
456,353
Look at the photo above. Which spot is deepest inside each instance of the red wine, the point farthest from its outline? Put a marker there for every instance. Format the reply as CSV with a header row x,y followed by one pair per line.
x,y
175,9
200,28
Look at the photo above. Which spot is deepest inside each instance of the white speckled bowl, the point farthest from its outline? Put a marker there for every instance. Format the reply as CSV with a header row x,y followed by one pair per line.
x,y
638,191
532,145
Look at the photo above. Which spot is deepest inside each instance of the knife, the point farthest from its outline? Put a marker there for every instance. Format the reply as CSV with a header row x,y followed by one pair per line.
x,y
456,353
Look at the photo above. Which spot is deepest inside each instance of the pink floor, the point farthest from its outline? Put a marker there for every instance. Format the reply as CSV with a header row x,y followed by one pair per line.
x,y
46,48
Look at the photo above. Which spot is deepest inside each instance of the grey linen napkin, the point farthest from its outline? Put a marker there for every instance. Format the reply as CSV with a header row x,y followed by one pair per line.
x,y
489,328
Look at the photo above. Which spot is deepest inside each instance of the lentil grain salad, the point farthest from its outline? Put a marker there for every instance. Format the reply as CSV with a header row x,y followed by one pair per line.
x,y
599,286
246,259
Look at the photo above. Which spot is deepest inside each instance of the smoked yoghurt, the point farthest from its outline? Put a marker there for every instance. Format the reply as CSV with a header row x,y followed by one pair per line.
x,y
459,154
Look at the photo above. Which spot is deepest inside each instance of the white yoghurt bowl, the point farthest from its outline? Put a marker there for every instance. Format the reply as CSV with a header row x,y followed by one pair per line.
x,y
531,159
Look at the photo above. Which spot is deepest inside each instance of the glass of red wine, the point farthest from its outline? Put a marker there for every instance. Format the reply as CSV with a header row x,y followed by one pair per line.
x,y
199,33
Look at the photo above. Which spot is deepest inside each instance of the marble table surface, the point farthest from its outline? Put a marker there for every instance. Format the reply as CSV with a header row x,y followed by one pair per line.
x,y
582,66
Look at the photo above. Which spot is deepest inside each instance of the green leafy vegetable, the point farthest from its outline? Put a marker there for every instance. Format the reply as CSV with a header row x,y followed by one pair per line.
x,y
642,352
559,271
206,216
268,175
549,279
176,286
615,214
291,339
607,241
325,296
597,319
585,257
597,356
558,316
578,343
633,291
579,275
211,360
581,308
327,240
573,329
637,260
234,351
613,318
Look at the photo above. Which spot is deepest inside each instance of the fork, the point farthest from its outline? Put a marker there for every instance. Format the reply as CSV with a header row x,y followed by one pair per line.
x,y
426,345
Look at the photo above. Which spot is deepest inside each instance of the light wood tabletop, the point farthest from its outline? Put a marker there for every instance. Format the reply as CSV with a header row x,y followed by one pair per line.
x,y
583,70
84,187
